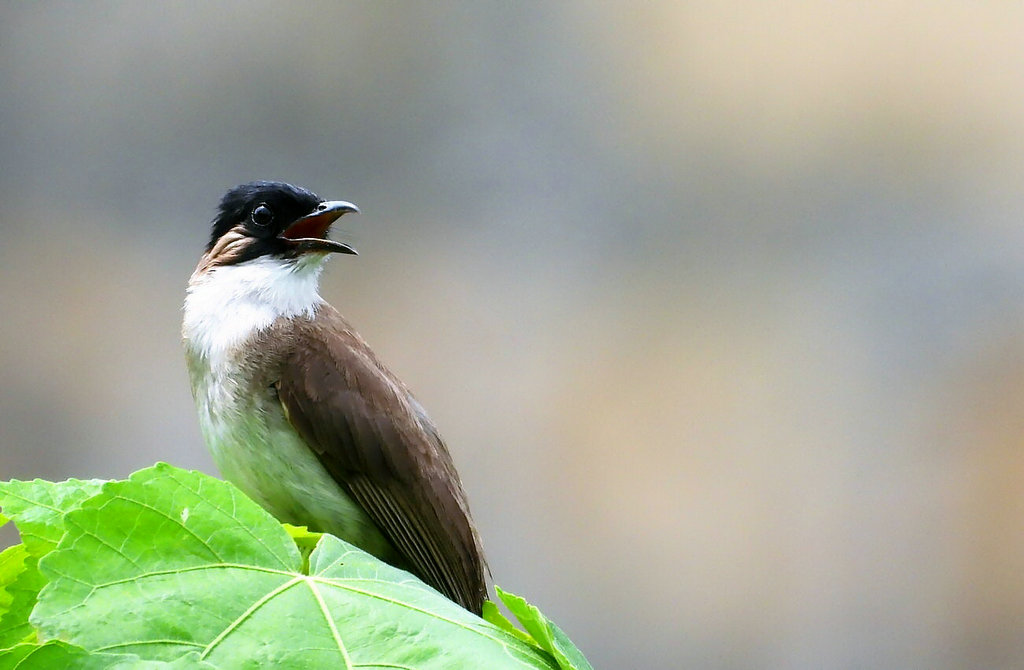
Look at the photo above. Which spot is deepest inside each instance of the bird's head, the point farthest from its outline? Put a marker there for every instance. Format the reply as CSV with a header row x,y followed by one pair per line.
x,y
274,220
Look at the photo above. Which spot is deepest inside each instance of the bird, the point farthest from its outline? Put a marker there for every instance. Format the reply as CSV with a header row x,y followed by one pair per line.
x,y
297,410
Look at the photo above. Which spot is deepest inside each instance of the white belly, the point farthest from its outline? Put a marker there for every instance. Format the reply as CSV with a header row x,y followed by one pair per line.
x,y
259,452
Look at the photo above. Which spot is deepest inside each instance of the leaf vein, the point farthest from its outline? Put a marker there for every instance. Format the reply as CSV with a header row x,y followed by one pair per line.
x,y
193,568
106,544
248,613
176,522
330,622
371,594
142,643
232,515
35,503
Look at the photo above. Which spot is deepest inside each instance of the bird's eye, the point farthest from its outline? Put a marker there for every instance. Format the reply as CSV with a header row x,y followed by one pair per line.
x,y
262,216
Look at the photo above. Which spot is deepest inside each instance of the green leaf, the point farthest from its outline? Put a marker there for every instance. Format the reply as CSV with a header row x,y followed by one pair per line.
x,y
493,615
52,655
23,590
171,562
152,564
387,616
20,582
12,563
305,540
38,508
547,635
189,662
57,654
302,536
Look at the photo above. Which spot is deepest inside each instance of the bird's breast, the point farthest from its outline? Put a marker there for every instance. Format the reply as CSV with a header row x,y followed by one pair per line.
x,y
256,449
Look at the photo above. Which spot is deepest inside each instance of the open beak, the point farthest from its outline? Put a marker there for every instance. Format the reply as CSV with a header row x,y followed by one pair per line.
x,y
310,232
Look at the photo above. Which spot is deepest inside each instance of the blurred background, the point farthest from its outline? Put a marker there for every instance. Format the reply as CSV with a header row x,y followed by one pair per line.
x,y
719,306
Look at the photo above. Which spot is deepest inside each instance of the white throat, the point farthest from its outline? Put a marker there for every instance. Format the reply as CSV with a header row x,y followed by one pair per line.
x,y
227,304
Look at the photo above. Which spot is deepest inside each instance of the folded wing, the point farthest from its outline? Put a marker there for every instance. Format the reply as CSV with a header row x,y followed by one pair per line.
x,y
377,442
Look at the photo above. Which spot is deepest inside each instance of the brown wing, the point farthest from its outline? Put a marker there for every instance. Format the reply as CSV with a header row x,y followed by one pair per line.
x,y
378,443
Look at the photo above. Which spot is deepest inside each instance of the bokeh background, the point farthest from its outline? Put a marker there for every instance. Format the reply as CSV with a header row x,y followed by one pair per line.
x,y
720,306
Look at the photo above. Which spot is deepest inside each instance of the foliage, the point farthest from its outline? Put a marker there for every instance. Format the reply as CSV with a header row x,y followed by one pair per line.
x,y
173,569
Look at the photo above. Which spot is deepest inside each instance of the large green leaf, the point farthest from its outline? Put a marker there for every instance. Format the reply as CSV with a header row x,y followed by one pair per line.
x,y
50,656
53,655
38,508
56,654
189,661
22,587
171,562
12,564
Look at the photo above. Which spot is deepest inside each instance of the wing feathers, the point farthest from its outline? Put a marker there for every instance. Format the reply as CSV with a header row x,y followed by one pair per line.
x,y
377,442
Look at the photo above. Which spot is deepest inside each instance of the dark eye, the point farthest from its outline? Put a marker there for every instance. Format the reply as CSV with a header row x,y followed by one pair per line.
x,y
262,216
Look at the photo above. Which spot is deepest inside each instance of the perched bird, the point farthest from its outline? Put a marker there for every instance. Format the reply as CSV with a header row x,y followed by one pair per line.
x,y
297,410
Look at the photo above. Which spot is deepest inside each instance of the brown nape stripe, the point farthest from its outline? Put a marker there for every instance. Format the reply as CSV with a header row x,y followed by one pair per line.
x,y
224,252
236,246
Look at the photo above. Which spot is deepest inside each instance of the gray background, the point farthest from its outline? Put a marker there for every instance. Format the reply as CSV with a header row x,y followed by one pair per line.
x,y
720,307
